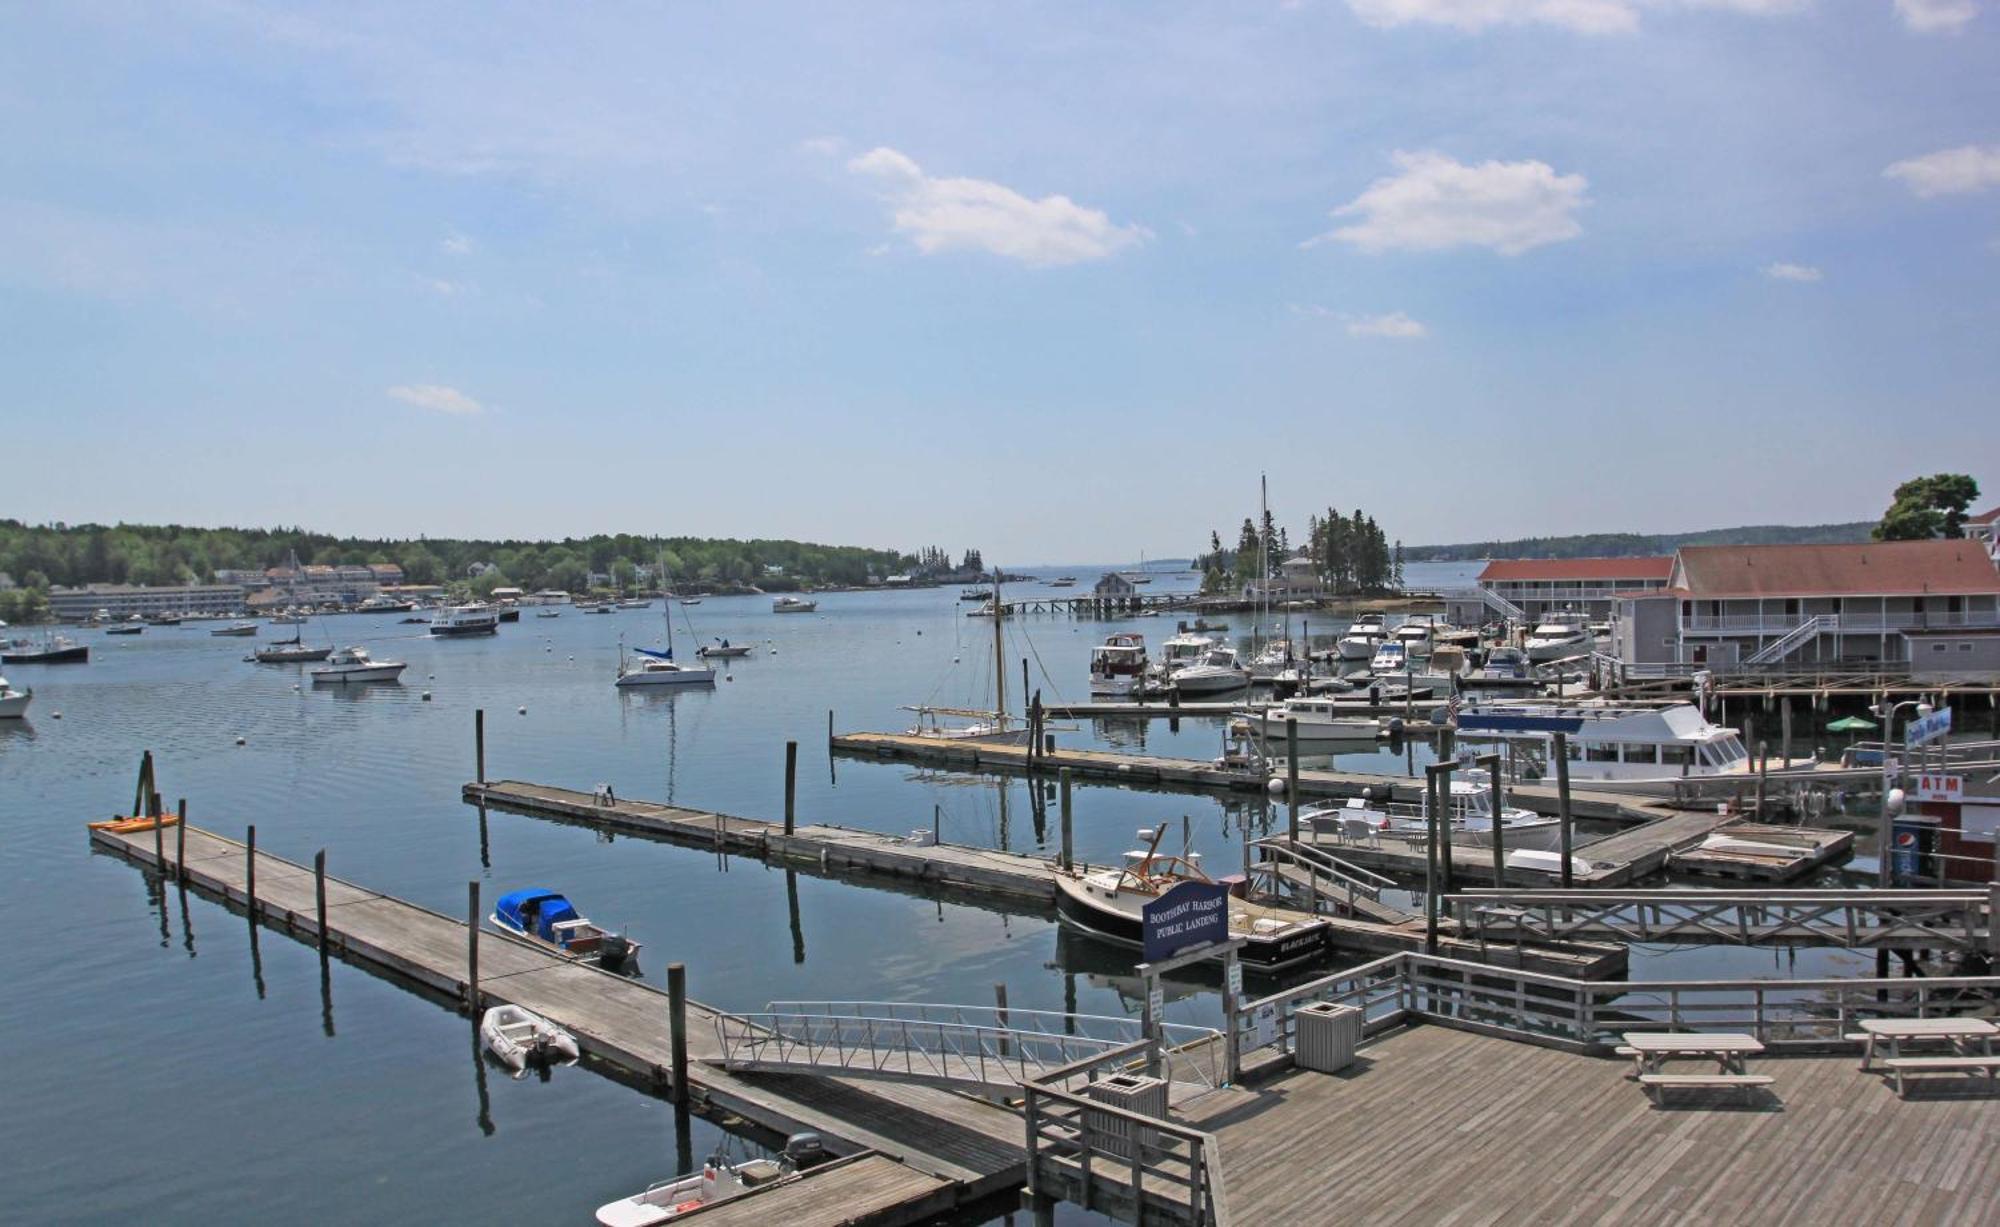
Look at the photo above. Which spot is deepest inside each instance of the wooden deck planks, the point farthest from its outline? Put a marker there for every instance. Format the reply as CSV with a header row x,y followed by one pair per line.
x,y
870,1189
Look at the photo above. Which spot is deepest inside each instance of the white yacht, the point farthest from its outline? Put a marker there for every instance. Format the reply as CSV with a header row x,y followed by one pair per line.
x,y
1416,637
1362,637
473,619
658,669
355,665
1181,651
1470,812
1559,637
1216,672
1117,665
1390,657
14,703
793,604
1619,749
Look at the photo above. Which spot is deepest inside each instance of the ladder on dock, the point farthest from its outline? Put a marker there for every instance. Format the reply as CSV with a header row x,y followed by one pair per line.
x,y
1325,881
1954,920
986,1047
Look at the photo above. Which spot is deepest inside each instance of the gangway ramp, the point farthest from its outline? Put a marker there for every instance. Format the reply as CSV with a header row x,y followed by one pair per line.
x,y
1957,920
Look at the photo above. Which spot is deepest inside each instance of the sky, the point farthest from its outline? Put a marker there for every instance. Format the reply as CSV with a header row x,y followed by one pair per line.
x,y
1056,281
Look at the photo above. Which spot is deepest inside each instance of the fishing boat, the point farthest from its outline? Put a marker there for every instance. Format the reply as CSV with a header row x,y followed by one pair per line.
x,y
1645,750
125,628
1363,636
719,1180
48,650
1470,812
975,594
722,649
793,604
1317,719
1216,672
164,619
545,918
1118,665
456,621
288,652
518,1037
355,665
1063,581
1111,903
1559,637
236,630
14,703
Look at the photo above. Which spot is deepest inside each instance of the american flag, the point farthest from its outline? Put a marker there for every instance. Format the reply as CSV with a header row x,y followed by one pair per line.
x,y
1451,708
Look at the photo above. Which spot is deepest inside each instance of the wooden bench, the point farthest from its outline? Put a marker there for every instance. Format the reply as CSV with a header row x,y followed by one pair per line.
x,y
1940,1065
1657,1084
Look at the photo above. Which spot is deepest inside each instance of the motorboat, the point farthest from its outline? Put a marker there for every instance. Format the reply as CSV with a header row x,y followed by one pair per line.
x,y
518,1037
1647,750
793,604
975,594
636,603
1317,719
1118,665
384,604
1365,634
655,668
1216,672
719,1180
164,619
722,649
1181,651
48,650
548,613
1470,811
14,703
1063,581
355,665
1391,656
236,630
288,618
1559,638
456,621
506,611
125,628
1111,903
545,918
690,600
1504,668
288,652
1416,637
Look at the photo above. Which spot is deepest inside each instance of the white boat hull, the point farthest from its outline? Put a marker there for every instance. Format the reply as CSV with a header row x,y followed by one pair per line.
x,y
668,677
15,705
1356,648
1208,679
341,675
516,1037
1114,687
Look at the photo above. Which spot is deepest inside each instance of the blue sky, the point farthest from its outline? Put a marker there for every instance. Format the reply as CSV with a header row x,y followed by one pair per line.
x,y
1054,280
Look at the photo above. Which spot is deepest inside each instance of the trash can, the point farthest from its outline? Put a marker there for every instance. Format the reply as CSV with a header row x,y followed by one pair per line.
x,y
1114,1135
1328,1034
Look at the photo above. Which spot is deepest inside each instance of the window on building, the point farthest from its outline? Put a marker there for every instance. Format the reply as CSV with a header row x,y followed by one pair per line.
x,y
1938,647
1965,647
1791,607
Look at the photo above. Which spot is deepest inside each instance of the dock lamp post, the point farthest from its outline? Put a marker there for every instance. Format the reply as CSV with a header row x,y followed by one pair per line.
x,y
1886,836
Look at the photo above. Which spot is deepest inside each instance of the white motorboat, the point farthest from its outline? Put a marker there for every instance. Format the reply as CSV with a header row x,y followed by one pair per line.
x,y
1558,638
1470,812
1504,666
288,618
793,604
1416,637
238,630
1118,665
690,600
1181,651
1218,671
519,1037
720,1180
355,665
1391,656
548,613
1362,637
722,649
1318,719
14,703
1645,750
459,620
636,603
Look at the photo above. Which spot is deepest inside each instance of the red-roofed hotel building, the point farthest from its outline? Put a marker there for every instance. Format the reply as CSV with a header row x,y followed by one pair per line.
x,y
1537,586
1729,605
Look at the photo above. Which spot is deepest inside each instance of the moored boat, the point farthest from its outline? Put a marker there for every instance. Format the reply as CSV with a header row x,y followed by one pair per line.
x,y
518,1037
1118,665
14,703
1217,672
1469,813
236,630
793,604
1363,636
719,1180
355,665
125,628
49,650
722,649
547,919
1559,637
461,620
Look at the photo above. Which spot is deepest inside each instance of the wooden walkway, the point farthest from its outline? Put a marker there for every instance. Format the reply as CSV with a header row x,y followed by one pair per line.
x,y
1436,1125
869,1189
972,1144
1008,878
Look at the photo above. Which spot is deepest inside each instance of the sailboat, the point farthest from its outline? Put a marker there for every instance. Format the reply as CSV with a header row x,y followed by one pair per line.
x,y
993,727
659,668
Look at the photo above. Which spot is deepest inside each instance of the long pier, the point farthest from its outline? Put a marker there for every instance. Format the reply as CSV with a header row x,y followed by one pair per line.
x,y
972,1148
1008,878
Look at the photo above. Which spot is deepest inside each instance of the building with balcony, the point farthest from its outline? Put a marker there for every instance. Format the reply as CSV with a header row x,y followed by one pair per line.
x,y
1528,589
1297,580
123,600
1767,605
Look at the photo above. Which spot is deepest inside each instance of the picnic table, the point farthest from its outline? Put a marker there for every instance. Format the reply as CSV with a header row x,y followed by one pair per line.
x,y
1651,1050
1970,1043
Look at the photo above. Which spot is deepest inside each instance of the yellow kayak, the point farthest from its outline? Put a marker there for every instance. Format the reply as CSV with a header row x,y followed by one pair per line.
x,y
123,826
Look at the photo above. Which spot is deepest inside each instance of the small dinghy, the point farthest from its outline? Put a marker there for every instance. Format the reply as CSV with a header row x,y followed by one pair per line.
x,y
719,1180
519,1037
722,648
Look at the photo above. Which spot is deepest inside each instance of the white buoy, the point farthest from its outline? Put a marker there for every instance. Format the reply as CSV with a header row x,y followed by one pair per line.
x,y
1276,788
55,715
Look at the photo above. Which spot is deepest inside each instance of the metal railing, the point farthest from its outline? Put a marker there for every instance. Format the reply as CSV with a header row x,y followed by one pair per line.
x,y
1115,1161
951,1044
1847,623
1852,919
1590,1016
1328,876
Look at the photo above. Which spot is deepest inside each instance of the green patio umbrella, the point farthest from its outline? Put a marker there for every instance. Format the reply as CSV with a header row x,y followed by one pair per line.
x,y
1852,724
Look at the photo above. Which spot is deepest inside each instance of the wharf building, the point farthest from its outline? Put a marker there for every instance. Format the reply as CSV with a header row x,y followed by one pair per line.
x,y
1530,589
124,600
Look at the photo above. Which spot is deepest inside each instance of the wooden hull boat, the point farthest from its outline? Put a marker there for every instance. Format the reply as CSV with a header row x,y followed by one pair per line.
x,y
519,1037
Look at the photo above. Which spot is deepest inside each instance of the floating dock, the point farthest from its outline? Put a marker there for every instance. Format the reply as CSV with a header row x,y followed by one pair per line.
x,y
1004,877
970,1148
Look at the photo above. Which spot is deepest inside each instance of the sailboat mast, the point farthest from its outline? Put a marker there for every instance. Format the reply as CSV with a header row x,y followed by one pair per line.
x,y
1263,554
999,658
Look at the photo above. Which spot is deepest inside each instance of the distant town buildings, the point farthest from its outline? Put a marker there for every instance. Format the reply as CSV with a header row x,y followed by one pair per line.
x,y
124,600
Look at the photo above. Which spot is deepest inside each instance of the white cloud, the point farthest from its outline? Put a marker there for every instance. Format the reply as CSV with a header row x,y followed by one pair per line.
x,y
1580,16
456,244
1782,271
822,146
435,397
1930,16
951,214
1394,326
1969,168
1437,203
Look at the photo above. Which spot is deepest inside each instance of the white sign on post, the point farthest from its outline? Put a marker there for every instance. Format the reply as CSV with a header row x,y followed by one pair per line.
x,y
1925,729
1156,1002
1934,787
1235,978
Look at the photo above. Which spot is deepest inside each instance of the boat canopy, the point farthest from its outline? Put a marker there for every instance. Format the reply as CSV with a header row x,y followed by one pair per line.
x,y
534,910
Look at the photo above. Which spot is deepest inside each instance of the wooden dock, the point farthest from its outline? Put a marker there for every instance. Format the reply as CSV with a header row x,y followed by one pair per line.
x,y
972,1146
868,1188
1007,878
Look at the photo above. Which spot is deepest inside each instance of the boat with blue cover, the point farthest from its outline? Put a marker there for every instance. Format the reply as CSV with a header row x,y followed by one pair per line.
x,y
549,920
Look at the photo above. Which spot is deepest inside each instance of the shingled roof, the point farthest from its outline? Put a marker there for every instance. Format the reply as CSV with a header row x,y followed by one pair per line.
x,y
1875,568
1517,570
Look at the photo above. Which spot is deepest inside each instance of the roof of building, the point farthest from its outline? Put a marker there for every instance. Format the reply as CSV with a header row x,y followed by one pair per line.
x,y
1988,516
1577,568
1874,568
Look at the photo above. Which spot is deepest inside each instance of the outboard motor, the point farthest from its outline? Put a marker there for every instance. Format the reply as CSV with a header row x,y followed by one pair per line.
x,y
805,1150
614,952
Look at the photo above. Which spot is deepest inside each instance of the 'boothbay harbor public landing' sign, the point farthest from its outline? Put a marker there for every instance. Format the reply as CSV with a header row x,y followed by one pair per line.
x,y
1189,915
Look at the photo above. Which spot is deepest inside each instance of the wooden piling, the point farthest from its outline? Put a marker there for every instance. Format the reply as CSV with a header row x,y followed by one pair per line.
x,y
479,743
1430,864
181,843
159,842
250,872
1068,845
1559,748
1443,771
829,729
1292,775
319,901
1000,1014
1497,798
791,785
677,1007
472,948
1763,775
